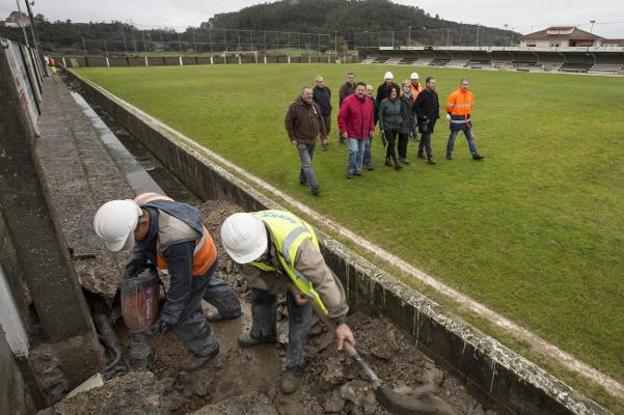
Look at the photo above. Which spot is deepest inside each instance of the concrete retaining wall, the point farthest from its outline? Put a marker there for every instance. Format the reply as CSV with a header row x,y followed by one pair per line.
x,y
499,377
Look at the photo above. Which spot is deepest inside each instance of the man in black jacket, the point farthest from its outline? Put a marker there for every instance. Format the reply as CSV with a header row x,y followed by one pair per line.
x,y
322,97
427,109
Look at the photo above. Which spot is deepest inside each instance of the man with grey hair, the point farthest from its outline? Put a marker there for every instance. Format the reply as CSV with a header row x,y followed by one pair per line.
x,y
322,97
304,122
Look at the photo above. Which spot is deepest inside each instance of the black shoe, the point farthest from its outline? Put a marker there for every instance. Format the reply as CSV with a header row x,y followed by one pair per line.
x,y
199,361
316,191
431,161
478,157
405,161
349,175
291,380
358,173
449,157
247,340
303,183
421,156
214,316
397,165
389,163
369,167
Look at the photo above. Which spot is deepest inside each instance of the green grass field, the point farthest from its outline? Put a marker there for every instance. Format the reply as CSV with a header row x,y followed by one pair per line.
x,y
535,231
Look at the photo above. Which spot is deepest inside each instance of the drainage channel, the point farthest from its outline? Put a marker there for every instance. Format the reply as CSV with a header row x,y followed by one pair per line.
x,y
240,379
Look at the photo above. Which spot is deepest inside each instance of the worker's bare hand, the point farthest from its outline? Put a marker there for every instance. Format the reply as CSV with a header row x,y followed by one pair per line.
x,y
300,297
343,333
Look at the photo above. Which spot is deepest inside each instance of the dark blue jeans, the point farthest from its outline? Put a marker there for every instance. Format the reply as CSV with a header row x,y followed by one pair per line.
x,y
264,320
425,145
367,158
472,147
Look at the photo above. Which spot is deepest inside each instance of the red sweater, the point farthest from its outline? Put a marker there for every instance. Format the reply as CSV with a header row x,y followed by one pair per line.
x,y
356,117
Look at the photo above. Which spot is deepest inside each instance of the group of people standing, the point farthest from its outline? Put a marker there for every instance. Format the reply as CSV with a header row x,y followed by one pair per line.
x,y
401,112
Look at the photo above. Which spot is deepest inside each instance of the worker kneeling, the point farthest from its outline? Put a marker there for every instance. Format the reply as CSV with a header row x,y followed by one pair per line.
x,y
171,235
281,255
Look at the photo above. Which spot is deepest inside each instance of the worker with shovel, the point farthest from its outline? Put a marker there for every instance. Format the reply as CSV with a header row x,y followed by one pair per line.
x,y
281,255
171,236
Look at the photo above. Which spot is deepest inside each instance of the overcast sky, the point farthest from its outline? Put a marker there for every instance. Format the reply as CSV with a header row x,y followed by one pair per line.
x,y
524,16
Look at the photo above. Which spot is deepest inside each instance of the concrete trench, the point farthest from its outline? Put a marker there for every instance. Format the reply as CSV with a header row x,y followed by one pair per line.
x,y
406,337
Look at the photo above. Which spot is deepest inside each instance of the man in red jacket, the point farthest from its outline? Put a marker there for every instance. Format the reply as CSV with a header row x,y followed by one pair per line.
x,y
357,124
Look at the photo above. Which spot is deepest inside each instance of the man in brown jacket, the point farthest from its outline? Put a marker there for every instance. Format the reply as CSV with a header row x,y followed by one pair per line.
x,y
280,254
304,122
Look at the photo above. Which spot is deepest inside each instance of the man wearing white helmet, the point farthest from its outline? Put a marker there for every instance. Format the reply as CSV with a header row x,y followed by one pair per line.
x,y
281,255
383,90
171,236
415,89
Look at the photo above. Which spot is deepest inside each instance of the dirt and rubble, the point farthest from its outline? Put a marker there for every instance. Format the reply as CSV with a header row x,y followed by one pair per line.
x,y
246,380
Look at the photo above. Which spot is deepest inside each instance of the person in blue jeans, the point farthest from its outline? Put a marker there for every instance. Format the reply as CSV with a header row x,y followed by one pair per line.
x,y
356,122
367,158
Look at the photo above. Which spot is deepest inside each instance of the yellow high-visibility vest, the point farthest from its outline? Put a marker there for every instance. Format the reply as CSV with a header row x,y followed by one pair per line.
x,y
289,232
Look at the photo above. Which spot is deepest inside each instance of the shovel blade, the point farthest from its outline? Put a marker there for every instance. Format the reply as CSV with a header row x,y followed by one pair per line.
x,y
400,404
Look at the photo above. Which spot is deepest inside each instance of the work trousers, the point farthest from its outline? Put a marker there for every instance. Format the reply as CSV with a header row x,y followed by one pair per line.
x,y
264,323
425,145
220,295
472,147
403,140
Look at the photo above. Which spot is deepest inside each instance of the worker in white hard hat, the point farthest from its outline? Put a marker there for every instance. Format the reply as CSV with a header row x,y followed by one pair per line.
x,y
281,255
383,90
171,236
415,89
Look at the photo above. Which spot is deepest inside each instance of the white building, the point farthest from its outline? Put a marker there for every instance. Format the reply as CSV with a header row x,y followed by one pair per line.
x,y
561,37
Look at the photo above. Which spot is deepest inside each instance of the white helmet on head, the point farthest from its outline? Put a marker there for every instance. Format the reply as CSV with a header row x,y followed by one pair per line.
x,y
388,75
244,237
115,222
414,76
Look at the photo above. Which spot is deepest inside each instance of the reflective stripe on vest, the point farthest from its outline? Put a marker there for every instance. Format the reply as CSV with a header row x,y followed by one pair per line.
x,y
205,252
460,103
289,232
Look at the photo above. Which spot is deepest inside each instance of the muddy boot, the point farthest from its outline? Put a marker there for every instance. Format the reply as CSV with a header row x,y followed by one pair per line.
x,y
247,340
215,316
199,361
291,380
397,165
388,162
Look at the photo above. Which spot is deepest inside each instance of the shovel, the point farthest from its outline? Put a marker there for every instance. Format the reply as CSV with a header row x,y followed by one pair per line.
x,y
395,402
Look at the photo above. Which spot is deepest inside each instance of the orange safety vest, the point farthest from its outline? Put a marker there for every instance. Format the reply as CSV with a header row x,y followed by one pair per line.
x,y
205,252
415,91
460,103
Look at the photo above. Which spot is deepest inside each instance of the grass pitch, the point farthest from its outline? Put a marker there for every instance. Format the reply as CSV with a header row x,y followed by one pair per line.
x,y
535,231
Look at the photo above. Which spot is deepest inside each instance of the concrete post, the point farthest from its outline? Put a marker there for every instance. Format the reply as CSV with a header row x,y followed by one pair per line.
x,y
288,58
180,60
107,62
265,60
64,63
211,60
146,61
240,61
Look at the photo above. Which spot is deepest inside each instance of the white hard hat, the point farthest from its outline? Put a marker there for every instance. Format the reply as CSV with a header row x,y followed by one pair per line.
x,y
388,75
244,237
115,222
414,75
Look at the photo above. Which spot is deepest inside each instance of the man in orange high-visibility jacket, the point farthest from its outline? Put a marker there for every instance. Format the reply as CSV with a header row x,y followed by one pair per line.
x,y
171,235
459,107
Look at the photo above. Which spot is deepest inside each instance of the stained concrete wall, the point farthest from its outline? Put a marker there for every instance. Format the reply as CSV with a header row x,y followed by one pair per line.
x,y
14,398
502,379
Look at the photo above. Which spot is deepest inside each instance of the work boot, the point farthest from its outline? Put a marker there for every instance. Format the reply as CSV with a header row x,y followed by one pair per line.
x,y
315,191
389,163
291,379
397,165
369,167
358,173
477,157
431,161
199,361
247,340
405,161
449,157
421,156
349,175
214,316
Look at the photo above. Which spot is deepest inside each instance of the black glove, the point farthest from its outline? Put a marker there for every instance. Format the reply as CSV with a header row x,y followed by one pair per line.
x,y
163,327
135,267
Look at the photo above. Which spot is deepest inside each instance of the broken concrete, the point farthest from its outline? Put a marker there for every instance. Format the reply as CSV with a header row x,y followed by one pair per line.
x,y
250,404
500,377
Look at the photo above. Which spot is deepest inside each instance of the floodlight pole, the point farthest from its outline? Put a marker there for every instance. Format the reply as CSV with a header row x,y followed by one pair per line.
x,y
33,28
19,22
592,26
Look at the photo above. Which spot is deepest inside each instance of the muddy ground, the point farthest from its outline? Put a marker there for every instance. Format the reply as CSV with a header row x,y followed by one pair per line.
x,y
244,381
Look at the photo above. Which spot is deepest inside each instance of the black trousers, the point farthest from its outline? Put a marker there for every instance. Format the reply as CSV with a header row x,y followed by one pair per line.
x,y
403,140
391,138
